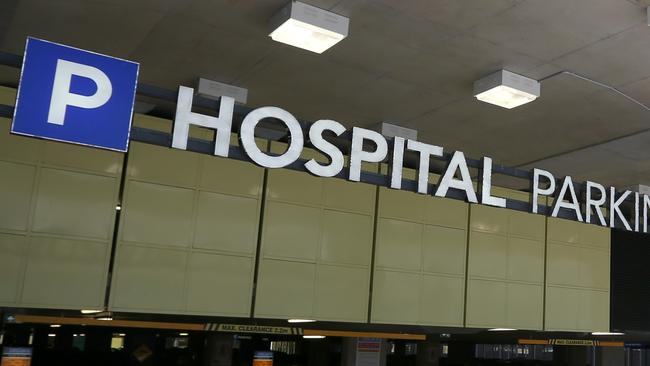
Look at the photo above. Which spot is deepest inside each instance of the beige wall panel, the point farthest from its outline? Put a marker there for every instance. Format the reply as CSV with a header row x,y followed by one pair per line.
x,y
326,225
399,245
285,290
75,204
345,238
487,304
577,268
18,148
163,165
525,306
395,297
157,214
341,293
186,211
292,231
16,184
507,248
219,284
81,157
13,254
149,279
65,273
223,223
422,241
443,250
440,299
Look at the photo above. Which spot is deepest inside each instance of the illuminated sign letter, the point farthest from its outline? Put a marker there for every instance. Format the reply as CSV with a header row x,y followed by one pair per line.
x,y
397,163
614,209
357,154
537,190
448,180
247,137
335,155
486,186
425,151
222,125
567,184
596,204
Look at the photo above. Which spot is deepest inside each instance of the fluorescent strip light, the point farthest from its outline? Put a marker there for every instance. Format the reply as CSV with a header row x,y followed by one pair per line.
x,y
308,27
313,336
183,334
51,335
55,325
107,318
501,330
91,311
301,321
506,89
607,334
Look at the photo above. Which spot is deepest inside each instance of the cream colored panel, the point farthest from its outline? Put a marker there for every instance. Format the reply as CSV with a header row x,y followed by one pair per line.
x,y
563,264
219,284
226,223
443,250
441,301
149,279
488,255
341,294
486,303
594,269
291,231
446,212
526,224
231,176
16,182
593,314
285,289
157,214
399,245
82,157
18,148
525,309
489,219
525,260
341,194
75,204
395,297
65,273
163,165
347,238
562,308
13,250
401,204
564,230
596,236
7,95
293,186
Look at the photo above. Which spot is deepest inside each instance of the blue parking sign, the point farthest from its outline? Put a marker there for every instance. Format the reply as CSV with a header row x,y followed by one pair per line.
x,y
71,95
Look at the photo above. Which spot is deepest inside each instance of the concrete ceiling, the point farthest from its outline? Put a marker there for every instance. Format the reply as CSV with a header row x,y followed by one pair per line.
x,y
410,62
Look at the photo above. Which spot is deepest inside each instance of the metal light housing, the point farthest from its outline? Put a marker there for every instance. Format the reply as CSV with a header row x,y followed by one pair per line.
x,y
506,89
308,27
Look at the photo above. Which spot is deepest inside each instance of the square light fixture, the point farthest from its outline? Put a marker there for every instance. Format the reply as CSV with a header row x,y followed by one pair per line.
x,y
308,27
506,89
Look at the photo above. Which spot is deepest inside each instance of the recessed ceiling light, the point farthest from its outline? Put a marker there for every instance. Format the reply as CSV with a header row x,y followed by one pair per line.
x,y
313,336
308,27
506,89
301,321
501,330
607,333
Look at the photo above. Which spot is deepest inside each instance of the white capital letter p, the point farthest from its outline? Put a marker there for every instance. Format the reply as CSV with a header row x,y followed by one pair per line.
x,y
61,96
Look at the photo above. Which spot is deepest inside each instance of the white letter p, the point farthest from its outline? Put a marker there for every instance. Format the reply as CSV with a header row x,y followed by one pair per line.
x,y
61,96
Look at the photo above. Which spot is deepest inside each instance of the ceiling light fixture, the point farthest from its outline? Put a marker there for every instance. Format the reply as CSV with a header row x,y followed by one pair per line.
x,y
313,336
93,311
506,89
301,321
55,326
501,330
607,334
183,334
308,27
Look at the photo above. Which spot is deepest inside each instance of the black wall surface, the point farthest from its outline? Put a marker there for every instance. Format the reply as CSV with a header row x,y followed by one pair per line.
x,y
630,281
